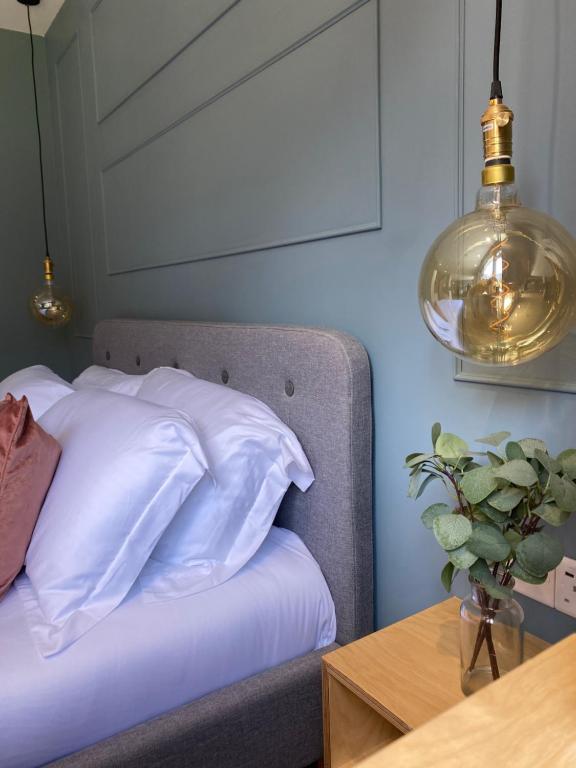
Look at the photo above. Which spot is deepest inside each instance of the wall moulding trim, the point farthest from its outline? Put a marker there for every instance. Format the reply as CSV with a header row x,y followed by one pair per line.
x,y
239,250
72,47
102,115
370,222
66,47
558,359
240,81
73,41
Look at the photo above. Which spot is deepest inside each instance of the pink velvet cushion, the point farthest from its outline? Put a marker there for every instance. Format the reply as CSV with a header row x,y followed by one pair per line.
x,y
28,459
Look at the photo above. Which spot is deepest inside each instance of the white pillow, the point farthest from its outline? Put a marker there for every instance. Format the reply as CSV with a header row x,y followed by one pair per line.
x,y
125,470
253,459
108,378
41,386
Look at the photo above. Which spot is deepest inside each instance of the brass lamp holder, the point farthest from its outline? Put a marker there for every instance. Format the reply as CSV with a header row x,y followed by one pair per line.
x,y
497,134
48,270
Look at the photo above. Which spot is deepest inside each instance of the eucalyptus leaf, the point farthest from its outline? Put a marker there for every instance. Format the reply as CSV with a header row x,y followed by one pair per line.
x,y
491,513
414,483
550,465
450,446
482,574
410,457
569,503
519,573
513,538
451,531
447,576
543,476
568,461
539,553
494,459
564,492
436,432
497,591
462,558
433,511
419,458
478,483
517,514
506,499
552,514
494,439
517,471
530,444
556,488
424,485
514,451
489,543
460,463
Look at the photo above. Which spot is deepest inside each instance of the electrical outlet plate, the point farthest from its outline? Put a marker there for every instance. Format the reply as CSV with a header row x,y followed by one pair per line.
x,y
565,593
543,593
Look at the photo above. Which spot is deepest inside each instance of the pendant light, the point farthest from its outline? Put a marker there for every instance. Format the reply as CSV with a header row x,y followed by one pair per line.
x,y
498,286
48,304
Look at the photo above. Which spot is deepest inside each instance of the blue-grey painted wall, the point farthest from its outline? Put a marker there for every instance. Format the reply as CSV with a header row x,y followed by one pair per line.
x,y
22,341
274,162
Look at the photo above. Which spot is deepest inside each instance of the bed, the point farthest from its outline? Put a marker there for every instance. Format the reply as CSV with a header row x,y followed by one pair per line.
x,y
318,383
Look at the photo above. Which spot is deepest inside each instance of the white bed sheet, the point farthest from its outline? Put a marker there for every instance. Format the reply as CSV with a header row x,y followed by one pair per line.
x,y
147,658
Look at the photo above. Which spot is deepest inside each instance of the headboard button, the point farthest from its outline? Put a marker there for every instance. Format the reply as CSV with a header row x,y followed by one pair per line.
x,y
107,355
138,360
176,364
225,376
289,387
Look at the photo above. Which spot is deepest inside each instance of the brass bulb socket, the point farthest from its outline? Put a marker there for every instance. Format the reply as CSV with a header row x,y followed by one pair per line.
x,y
48,269
496,125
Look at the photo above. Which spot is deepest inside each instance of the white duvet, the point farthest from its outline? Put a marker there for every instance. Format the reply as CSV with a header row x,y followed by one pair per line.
x,y
146,658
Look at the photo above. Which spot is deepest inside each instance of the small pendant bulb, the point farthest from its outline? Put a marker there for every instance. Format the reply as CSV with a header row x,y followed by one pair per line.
x,y
48,304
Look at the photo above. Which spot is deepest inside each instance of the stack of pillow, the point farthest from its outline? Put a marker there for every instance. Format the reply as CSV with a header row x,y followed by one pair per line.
x,y
164,480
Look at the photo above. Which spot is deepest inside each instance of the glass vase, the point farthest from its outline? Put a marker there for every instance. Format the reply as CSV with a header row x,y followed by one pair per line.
x,y
491,638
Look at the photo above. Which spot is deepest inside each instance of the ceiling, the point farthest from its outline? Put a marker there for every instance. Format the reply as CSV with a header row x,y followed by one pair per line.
x,y
13,15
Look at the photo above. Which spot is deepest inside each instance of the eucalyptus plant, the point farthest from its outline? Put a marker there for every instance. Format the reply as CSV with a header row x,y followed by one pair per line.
x,y
503,501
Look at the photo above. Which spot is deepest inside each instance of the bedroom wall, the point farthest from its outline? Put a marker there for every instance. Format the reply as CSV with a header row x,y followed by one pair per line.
x,y
22,341
273,162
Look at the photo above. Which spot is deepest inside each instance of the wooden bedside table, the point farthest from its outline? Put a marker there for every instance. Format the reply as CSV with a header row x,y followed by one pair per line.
x,y
393,681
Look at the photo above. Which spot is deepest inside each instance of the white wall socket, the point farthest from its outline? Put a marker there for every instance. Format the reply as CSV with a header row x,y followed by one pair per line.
x,y
565,599
543,593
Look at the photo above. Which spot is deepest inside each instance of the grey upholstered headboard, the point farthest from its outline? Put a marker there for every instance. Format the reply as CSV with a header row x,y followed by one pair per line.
x,y
318,382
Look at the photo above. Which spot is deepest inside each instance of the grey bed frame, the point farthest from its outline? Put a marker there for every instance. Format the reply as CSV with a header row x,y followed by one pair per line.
x,y
318,382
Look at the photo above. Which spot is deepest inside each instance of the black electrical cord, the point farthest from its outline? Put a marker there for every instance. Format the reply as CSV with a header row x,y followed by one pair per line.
x,y
496,89
39,133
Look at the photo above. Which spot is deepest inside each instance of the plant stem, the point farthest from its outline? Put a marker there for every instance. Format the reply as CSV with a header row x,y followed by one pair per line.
x,y
492,652
478,644
459,496
485,633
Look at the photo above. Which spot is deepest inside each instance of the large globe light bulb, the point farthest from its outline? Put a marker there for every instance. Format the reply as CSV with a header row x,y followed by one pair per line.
x,y
498,286
49,304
